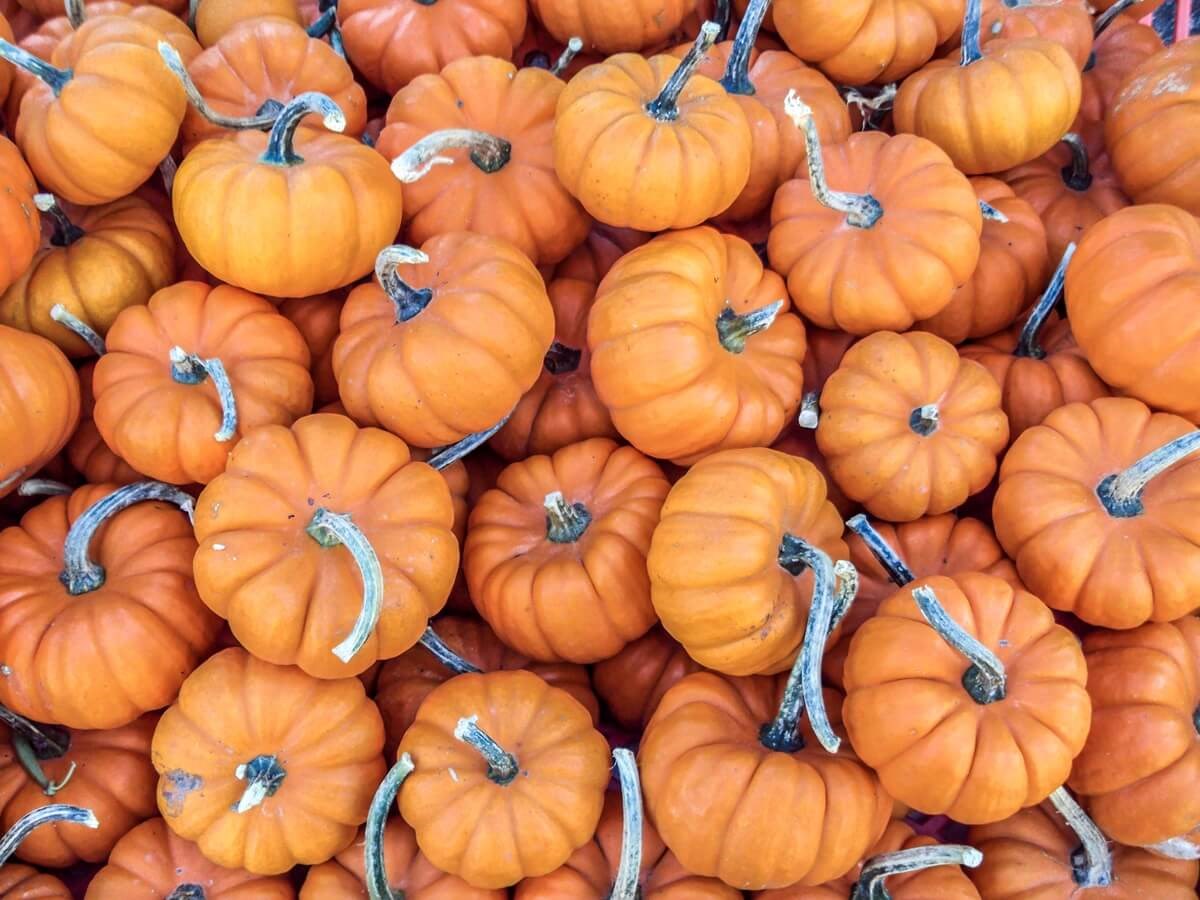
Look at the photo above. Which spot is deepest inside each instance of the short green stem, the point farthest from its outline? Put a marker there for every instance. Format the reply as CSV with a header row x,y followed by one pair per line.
x,y
174,61
54,77
565,522
502,765
32,764
79,328
330,529
263,776
574,45
281,149
734,329
1077,174
1121,493
66,232
877,869
489,153
629,869
377,816
408,301
1027,345
43,815
665,106
188,368
442,652
1092,864
885,555
985,679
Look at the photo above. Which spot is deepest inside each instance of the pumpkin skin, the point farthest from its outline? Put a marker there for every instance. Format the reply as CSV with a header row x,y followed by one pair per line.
x,y
1159,96
904,268
1120,572
715,578
490,834
1117,51
1129,290
392,42
20,232
78,144
632,682
522,201
126,253
579,595
39,409
86,451
627,25
7,76
1012,269
600,250
1065,22
217,18
19,882
326,735
48,9
802,442
290,600
878,451
113,778
652,388
152,861
317,319
269,59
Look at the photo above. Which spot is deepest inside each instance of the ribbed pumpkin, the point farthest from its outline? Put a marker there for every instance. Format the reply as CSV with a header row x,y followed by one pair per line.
x,y
19,224
632,682
86,451
18,882
216,18
1122,44
317,318
622,25
1067,23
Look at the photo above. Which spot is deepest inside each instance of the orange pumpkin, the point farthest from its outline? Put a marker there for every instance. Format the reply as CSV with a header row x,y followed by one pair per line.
x,y
908,427
7,75
316,318
86,451
249,748
1067,23
591,260
632,682
495,122
876,233
187,374
649,144
19,226
624,25
19,882
1122,44
216,18
801,440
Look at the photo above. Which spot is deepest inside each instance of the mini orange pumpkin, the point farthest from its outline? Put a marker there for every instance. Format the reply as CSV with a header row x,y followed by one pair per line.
x,y
19,226
632,682
801,440
316,318
591,260
86,451
19,882
216,18
1065,22
1122,44
624,25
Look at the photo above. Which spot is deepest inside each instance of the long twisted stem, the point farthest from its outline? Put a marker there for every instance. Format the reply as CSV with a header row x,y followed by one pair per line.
x,y
629,869
331,529
43,815
489,153
1096,869
986,679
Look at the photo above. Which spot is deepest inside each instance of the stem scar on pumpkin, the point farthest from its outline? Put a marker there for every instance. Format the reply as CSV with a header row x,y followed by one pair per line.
x,y
489,153
1092,863
502,765
55,78
330,529
565,522
188,368
1027,344
629,868
870,885
54,813
377,815
263,776
985,679
924,420
665,107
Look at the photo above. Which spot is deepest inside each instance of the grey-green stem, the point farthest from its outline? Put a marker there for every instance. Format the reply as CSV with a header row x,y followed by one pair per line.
x,y
972,23
1092,863
56,79
629,869
1027,344
870,107
878,869
66,232
665,106
1121,493
43,487
565,522
377,816
188,891
574,45
330,529
924,420
408,301
810,410
896,569
446,456
991,214
281,149
54,813
31,762
734,329
502,765
488,152
1109,16
188,368
985,679
76,14
736,79
78,327
442,652
263,119
1077,174
263,776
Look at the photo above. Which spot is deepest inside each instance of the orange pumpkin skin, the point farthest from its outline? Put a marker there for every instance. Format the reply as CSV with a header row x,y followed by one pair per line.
x,y
633,170
902,269
49,9
1118,50
1012,270
632,682
574,596
86,451
1129,289
19,882
290,600
626,25
152,861
600,250
878,451
864,41
489,834
392,42
317,319
802,442
217,18
1067,23
20,232
747,390
7,76
39,409
1120,572
234,709
79,144
715,578
269,59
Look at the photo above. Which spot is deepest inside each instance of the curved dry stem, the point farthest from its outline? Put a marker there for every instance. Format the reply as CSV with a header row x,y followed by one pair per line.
x,y
444,457
734,329
43,815
442,652
1121,493
1027,344
574,45
629,869
1077,174
80,328
1095,867
488,152
281,149
878,868
377,816
54,77
846,577
407,300
76,14
502,765
665,107
43,487
330,529
188,368
736,79
887,557
174,62
66,232
985,680
869,108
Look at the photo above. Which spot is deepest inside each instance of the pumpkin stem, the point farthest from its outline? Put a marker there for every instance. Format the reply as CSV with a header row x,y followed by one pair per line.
x,y
433,642
897,570
43,815
1176,848
870,107
81,329
408,300
12,477
878,868
1121,493
985,679
665,107
489,153
76,14
28,757
1027,344
444,457
991,214
629,869
565,522
924,420
377,816
166,171
80,574
263,776
1077,176
502,765
263,119
66,232
561,359
193,8
803,689
1092,862
736,79
1109,16
281,149
330,529
734,329
53,76
188,368
188,891
862,210
47,741
43,487
574,45
810,410
972,25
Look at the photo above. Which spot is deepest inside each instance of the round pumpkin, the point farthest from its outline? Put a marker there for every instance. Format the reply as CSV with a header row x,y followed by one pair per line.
x,y
591,260
632,683
86,451
801,440
249,748
216,18
316,318
1067,23
1122,44
20,234
19,882
624,25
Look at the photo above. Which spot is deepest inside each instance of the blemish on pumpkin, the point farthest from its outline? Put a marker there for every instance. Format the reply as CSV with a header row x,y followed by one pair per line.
x,y
5,670
453,775
180,784
1171,83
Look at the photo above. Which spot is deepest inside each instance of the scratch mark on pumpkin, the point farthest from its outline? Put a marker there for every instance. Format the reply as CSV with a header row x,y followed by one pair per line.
x,y
1171,83
180,784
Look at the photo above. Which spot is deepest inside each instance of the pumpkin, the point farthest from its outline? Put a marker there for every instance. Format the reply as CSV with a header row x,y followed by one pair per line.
x,y
325,545
1089,507
1025,94
1139,8
528,784
104,259
1122,43
874,233
19,882
115,87
649,144
1067,23
107,771
555,555
825,351
1040,854
316,318
216,18
1158,97
865,41
86,450
405,682
187,374
909,428
392,42
249,748
495,124
742,362
47,9
60,600
151,860
622,25
19,226
1013,262
801,441
591,260
313,209
1129,289
632,682
1068,190
6,76
39,408
447,342
1039,367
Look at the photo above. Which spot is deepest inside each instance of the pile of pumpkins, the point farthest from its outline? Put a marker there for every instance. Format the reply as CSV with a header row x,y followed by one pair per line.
x,y
598,450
